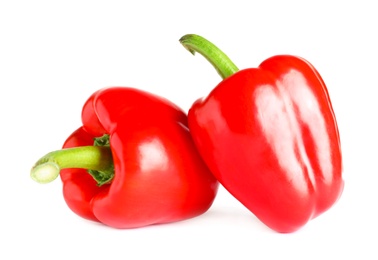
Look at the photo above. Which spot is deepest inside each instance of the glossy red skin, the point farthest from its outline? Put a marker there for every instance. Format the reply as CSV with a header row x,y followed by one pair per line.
x,y
159,175
270,137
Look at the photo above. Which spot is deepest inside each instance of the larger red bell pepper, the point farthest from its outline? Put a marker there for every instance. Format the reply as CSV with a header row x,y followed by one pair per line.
x,y
144,168
269,135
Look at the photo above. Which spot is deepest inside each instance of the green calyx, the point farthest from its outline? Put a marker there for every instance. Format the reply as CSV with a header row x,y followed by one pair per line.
x,y
97,159
220,61
102,176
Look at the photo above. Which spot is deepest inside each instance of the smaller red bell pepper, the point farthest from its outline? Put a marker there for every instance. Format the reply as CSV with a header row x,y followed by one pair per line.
x,y
143,166
269,135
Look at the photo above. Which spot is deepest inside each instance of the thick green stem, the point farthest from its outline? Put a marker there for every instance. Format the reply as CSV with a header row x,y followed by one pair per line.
x,y
94,158
195,43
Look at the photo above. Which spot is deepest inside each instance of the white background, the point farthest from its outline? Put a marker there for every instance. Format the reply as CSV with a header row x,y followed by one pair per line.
x,y
54,54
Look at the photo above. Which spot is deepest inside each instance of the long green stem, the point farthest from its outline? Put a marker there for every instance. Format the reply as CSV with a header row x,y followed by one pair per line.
x,y
94,158
195,43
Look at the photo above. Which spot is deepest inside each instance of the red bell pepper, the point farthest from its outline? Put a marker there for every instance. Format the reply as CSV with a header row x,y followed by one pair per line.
x,y
144,168
269,135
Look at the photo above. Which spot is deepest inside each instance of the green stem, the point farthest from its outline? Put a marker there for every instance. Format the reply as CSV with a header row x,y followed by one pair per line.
x,y
195,43
95,158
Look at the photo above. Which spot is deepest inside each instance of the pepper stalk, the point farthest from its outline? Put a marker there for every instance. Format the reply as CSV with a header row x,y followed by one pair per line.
x,y
96,159
220,61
